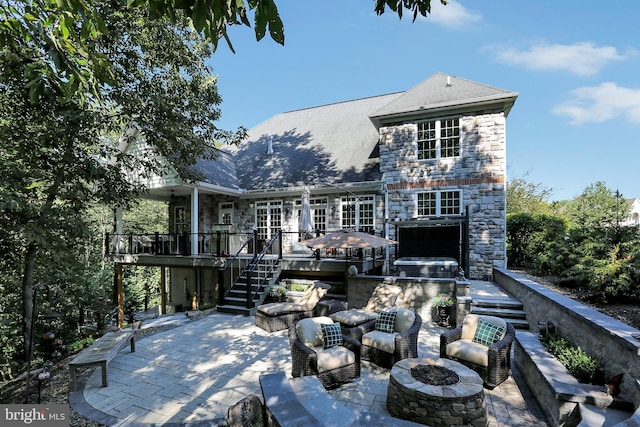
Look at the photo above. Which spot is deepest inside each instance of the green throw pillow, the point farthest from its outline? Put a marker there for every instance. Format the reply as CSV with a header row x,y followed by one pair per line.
x,y
385,321
487,333
331,335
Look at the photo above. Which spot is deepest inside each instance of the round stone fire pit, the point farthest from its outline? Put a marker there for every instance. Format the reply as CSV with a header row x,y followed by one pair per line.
x,y
436,392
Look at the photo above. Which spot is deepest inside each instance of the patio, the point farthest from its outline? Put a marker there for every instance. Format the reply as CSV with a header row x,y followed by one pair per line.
x,y
192,374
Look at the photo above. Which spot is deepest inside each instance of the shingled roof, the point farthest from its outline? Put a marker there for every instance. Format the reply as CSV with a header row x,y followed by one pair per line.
x,y
338,143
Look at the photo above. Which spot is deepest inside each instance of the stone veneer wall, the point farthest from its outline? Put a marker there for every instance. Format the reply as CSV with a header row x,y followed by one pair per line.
x,y
479,173
416,292
616,344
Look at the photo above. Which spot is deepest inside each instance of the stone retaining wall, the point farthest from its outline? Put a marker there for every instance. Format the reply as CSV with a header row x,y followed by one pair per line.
x,y
616,344
416,292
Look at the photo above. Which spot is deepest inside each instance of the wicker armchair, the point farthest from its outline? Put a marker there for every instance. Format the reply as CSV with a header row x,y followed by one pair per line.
x,y
386,348
484,348
280,315
352,321
334,365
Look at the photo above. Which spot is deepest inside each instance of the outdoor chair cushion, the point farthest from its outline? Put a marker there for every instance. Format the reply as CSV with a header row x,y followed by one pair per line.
x,y
353,316
380,340
331,335
333,358
470,325
312,296
478,333
469,351
385,341
385,321
275,308
384,295
309,331
404,319
487,333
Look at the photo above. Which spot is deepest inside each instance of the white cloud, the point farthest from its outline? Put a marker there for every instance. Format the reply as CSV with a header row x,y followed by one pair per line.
x,y
600,103
453,15
583,58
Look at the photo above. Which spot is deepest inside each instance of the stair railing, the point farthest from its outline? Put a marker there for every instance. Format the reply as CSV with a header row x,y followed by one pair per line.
x,y
222,271
254,264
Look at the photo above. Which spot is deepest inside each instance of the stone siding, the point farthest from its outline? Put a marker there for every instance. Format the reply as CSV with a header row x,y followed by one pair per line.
x,y
479,172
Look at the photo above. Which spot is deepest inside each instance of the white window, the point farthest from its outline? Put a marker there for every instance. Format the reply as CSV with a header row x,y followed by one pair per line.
x,y
358,213
438,139
439,203
225,213
268,218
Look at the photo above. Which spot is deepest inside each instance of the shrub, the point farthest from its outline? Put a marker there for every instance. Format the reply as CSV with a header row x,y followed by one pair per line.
x,y
582,366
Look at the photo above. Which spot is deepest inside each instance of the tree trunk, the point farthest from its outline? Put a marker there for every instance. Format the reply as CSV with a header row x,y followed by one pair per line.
x,y
27,297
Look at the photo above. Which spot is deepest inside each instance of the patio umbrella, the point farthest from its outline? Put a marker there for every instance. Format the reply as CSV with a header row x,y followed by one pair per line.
x,y
306,221
347,239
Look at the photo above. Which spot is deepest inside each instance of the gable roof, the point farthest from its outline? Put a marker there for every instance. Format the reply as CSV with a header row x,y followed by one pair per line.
x,y
338,143
444,92
330,143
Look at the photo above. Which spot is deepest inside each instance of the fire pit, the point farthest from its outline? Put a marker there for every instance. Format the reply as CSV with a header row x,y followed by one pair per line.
x,y
436,392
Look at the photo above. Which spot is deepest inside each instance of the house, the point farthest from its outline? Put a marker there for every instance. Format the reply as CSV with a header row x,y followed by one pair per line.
x,y
633,220
425,167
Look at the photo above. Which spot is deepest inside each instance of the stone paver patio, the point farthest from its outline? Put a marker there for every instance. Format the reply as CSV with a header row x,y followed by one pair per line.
x,y
191,374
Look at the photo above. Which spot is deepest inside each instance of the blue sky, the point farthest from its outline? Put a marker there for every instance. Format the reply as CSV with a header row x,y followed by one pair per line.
x,y
575,64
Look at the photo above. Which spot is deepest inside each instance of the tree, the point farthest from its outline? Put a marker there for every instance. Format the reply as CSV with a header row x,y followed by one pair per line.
x,y
64,151
598,206
57,42
527,197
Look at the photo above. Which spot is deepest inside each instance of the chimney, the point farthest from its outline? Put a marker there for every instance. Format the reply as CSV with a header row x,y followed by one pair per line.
x,y
270,146
448,81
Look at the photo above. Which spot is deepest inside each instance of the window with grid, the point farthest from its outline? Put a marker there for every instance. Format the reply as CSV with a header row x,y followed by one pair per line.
x,y
358,213
438,139
268,218
427,204
226,213
450,203
450,138
427,141
439,203
366,216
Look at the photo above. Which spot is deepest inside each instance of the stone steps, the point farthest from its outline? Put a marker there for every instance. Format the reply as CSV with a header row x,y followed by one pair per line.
x,y
507,308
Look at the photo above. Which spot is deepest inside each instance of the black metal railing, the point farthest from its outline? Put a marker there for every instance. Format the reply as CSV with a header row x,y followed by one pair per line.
x,y
262,275
217,243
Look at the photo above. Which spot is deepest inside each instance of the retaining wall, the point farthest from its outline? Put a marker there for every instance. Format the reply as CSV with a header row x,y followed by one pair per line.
x,y
614,343
416,292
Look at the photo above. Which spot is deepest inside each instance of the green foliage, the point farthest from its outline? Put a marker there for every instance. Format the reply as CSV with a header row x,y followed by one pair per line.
x,y
416,6
59,45
582,366
299,287
527,197
535,240
598,206
589,249
80,344
442,300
